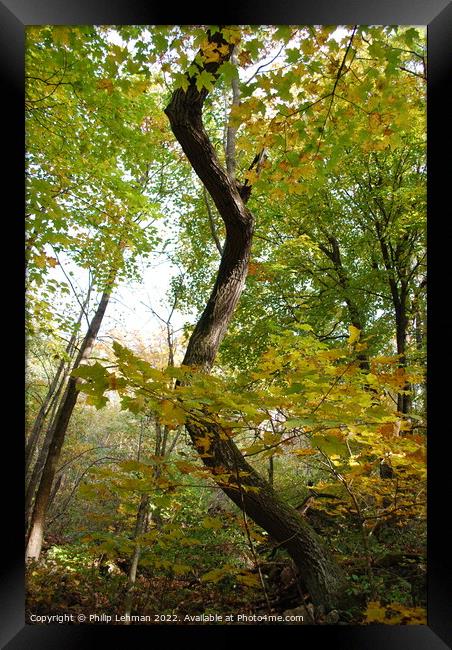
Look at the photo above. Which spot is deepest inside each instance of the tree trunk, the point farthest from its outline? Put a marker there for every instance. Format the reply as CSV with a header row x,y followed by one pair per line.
x,y
320,573
58,434
144,517
403,399
334,254
231,131
140,527
32,481
52,393
271,470
44,409
399,301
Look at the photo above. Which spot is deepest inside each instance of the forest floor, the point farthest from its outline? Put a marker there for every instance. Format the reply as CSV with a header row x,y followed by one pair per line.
x,y
96,588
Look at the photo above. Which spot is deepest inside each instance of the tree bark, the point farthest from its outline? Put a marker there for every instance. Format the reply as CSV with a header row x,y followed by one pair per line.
x,y
403,399
334,254
320,573
140,526
54,393
399,301
44,409
51,395
231,131
58,434
33,480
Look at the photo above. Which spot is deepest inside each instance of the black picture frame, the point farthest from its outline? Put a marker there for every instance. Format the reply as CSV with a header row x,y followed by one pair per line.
x,y
15,15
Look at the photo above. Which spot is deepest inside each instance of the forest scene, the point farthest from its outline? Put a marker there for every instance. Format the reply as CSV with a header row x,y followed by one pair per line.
x,y
225,325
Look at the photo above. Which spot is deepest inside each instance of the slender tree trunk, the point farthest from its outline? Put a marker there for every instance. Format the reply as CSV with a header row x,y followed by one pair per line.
x,y
58,433
320,572
419,329
46,405
53,396
143,515
403,399
231,131
48,402
271,470
334,255
140,527
399,301
55,488
33,480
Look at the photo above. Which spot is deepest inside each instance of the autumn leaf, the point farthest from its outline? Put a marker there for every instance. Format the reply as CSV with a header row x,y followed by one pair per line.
x,y
354,334
171,414
106,84
211,523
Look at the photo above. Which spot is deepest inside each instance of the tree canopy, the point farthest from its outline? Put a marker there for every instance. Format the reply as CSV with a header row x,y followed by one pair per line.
x,y
266,442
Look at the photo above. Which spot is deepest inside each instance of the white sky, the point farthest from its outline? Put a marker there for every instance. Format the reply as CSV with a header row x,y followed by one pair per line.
x,y
128,312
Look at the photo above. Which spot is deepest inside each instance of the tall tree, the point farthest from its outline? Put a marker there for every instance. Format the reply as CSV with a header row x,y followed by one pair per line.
x,y
49,406
320,572
58,433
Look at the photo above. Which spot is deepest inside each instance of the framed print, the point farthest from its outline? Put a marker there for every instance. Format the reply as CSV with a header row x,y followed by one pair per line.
x,y
231,353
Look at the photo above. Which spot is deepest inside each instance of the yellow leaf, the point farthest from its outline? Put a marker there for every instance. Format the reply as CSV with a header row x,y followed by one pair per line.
x,y
171,414
231,34
40,260
184,467
354,334
61,34
375,612
307,47
180,569
209,52
137,88
216,574
211,523
112,383
249,579
385,360
304,452
251,176
270,438
105,84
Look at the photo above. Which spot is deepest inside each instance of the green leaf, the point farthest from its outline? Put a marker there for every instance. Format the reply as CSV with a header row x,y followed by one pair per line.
x,y
284,32
331,445
205,80
295,423
181,81
216,574
229,71
95,373
211,523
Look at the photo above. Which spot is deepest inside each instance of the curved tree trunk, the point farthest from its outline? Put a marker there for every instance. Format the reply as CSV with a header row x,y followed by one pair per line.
x,y
320,573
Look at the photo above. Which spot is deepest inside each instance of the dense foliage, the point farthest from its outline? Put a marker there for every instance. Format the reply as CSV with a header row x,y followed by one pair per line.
x,y
320,378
